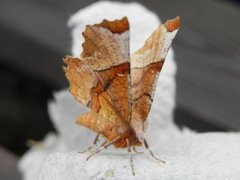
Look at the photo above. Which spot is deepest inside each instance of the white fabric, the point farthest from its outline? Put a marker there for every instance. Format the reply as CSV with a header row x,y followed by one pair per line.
x,y
189,156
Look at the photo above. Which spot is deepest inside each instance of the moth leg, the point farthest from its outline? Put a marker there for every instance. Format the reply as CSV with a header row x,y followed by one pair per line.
x,y
94,144
131,157
147,147
105,145
138,152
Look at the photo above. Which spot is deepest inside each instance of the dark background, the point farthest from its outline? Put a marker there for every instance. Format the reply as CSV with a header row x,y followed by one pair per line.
x,y
34,38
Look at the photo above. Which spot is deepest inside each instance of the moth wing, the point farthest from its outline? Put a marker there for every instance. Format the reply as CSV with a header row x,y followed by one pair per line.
x,y
94,121
81,80
106,52
88,89
98,124
146,64
100,77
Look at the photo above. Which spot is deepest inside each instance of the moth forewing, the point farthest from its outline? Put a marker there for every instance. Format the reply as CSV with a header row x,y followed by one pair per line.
x,y
146,64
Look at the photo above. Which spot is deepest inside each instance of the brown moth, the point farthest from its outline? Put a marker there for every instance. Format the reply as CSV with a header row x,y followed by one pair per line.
x,y
118,89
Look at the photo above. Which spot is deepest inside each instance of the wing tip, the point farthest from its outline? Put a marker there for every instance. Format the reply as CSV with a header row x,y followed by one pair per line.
x,y
117,26
173,24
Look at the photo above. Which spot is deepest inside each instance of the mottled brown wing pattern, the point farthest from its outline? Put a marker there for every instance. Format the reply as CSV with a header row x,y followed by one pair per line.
x,y
106,52
146,63
87,88
119,96
100,77
98,124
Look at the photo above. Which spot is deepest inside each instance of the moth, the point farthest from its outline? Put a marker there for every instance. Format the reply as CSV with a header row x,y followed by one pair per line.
x,y
118,88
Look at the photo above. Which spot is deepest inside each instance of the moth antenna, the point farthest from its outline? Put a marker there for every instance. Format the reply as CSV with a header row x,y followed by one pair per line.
x,y
105,145
131,157
94,144
147,147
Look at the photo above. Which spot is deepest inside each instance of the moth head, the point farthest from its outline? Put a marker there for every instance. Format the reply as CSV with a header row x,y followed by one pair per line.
x,y
140,137
139,128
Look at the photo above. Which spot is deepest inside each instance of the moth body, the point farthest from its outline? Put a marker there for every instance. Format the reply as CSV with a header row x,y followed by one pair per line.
x,y
109,130
118,89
